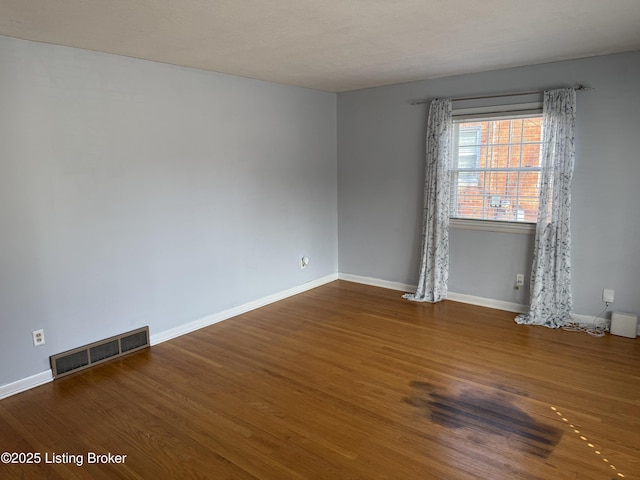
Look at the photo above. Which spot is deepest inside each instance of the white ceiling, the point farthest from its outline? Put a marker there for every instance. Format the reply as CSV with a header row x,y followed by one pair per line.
x,y
334,45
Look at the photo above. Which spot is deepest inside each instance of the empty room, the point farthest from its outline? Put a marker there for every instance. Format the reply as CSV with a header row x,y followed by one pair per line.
x,y
319,240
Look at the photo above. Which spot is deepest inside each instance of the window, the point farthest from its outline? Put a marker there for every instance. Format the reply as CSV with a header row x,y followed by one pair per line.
x,y
496,168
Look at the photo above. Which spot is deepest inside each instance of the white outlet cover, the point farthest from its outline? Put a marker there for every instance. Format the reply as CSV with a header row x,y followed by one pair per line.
x,y
608,295
38,338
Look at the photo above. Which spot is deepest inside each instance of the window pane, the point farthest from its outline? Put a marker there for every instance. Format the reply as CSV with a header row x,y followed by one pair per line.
x,y
468,153
470,206
531,155
515,156
529,183
532,129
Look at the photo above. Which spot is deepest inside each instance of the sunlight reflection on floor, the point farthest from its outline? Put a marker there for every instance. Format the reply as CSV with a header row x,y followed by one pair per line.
x,y
585,439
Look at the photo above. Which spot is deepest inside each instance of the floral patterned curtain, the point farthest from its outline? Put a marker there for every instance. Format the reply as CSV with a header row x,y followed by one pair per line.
x,y
551,301
434,263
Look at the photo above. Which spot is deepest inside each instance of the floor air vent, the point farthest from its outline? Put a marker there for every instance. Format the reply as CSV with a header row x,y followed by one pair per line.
x,y
98,352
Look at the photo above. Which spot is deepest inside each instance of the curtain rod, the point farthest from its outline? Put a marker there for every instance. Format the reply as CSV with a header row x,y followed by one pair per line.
x,y
518,94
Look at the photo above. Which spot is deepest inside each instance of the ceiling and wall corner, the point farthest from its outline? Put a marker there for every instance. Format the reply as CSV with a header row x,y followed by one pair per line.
x,y
333,45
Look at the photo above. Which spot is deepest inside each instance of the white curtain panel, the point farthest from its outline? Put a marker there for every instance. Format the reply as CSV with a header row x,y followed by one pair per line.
x,y
551,302
434,261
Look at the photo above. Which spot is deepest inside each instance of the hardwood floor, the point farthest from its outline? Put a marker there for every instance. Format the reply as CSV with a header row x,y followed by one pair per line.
x,y
344,382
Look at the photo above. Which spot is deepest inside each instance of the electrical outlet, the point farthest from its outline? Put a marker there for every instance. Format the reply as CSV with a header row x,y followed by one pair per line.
x,y
608,295
38,337
519,279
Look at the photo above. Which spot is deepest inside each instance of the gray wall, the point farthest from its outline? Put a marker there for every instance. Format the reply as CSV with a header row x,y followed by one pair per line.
x,y
135,193
381,167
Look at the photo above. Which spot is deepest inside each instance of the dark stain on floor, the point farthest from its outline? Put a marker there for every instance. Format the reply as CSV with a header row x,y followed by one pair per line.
x,y
485,414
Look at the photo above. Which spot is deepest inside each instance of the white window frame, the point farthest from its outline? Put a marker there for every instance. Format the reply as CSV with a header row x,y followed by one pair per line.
x,y
494,113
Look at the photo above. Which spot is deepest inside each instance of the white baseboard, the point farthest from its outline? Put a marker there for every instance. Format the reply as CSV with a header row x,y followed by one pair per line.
x,y
235,311
25,383
377,282
588,319
456,297
488,302
463,298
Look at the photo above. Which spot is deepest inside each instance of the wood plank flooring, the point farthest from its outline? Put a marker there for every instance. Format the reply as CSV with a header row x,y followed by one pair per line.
x,y
344,382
